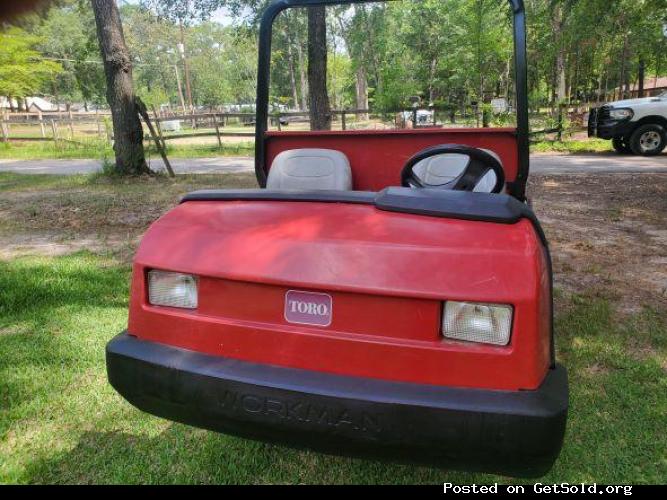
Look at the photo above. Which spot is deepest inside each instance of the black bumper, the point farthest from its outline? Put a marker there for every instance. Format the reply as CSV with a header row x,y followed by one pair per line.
x,y
609,130
514,433
606,128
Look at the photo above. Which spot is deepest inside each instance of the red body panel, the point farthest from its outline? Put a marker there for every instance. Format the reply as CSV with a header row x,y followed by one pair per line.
x,y
387,273
377,156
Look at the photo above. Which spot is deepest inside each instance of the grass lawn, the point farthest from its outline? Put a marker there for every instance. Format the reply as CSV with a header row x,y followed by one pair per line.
x,y
572,146
61,422
29,150
97,150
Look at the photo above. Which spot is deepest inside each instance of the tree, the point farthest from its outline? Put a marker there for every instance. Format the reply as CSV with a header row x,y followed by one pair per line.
x,y
68,34
128,133
23,72
183,12
320,109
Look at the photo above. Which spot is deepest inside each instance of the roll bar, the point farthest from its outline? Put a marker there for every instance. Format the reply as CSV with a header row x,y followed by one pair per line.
x,y
516,188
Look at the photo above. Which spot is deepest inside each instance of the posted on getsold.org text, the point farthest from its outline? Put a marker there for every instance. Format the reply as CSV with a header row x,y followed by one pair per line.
x,y
536,488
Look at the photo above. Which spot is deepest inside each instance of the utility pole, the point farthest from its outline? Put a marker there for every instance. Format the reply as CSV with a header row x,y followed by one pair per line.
x,y
180,88
186,69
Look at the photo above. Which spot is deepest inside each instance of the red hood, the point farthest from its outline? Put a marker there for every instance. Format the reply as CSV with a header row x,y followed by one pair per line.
x,y
355,248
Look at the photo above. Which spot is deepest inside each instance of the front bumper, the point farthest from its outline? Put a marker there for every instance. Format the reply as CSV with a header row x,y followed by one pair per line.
x,y
516,433
608,129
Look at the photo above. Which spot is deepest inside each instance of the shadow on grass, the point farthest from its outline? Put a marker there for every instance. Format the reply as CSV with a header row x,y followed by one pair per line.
x,y
51,310
182,454
618,392
32,288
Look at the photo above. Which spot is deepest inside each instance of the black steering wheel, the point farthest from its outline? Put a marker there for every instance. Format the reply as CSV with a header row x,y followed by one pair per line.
x,y
479,164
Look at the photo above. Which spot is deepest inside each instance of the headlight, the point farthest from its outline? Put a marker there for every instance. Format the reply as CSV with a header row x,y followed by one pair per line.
x,y
473,322
621,114
172,289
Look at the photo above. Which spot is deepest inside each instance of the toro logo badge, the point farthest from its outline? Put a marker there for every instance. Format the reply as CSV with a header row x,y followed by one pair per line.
x,y
308,308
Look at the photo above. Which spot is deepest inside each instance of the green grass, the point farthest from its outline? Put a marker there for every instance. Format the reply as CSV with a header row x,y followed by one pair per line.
x,y
97,150
10,181
572,146
94,149
61,422
36,150
205,151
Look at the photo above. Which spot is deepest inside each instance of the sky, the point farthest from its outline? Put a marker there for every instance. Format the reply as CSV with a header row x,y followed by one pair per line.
x,y
221,15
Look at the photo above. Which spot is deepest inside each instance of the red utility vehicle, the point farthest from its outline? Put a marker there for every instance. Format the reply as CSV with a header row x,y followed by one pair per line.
x,y
386,293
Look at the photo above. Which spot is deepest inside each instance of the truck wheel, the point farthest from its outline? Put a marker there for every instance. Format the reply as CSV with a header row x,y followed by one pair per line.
x,y
648,140
621,145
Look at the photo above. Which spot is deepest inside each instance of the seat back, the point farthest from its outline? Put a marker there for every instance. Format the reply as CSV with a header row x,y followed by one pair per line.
x,y
378,156
310,169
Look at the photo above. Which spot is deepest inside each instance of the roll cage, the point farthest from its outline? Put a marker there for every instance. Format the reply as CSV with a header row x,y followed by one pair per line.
x,y
516,188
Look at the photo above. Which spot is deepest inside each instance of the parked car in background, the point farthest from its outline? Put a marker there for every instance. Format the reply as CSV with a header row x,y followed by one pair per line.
x,y
636,126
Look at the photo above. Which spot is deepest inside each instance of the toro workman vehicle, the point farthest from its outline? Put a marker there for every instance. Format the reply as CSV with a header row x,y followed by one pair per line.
x,y
386,293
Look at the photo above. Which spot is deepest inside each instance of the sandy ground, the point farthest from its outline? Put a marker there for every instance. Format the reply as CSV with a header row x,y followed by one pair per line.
x,y
608,234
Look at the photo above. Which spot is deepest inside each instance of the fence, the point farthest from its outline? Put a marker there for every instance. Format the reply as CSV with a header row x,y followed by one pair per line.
x,y
78,127
56,126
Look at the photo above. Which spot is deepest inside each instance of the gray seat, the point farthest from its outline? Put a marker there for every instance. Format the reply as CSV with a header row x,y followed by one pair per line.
x,y
441,169
310,169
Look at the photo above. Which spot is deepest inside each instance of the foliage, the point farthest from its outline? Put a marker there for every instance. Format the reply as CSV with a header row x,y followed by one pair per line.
x,y
22,72
222,60
448,52
68,34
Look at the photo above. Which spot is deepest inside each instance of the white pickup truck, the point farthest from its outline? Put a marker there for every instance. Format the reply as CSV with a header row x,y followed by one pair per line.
x,y
636,126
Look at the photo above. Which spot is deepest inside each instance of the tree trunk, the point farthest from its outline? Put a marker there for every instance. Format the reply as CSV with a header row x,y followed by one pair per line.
x,y
362,91
302,72
128,134
622,75
292,74
598,97
361,75
557,22
642,72
431,81
320,110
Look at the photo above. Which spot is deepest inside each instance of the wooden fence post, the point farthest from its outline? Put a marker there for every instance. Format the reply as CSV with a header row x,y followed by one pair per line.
x,y
342,119
71,125
99,125
559,134
4,128
217,130
54,129
41,123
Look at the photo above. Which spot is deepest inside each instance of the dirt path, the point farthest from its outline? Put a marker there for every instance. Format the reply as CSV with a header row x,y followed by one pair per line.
x,y
542,163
